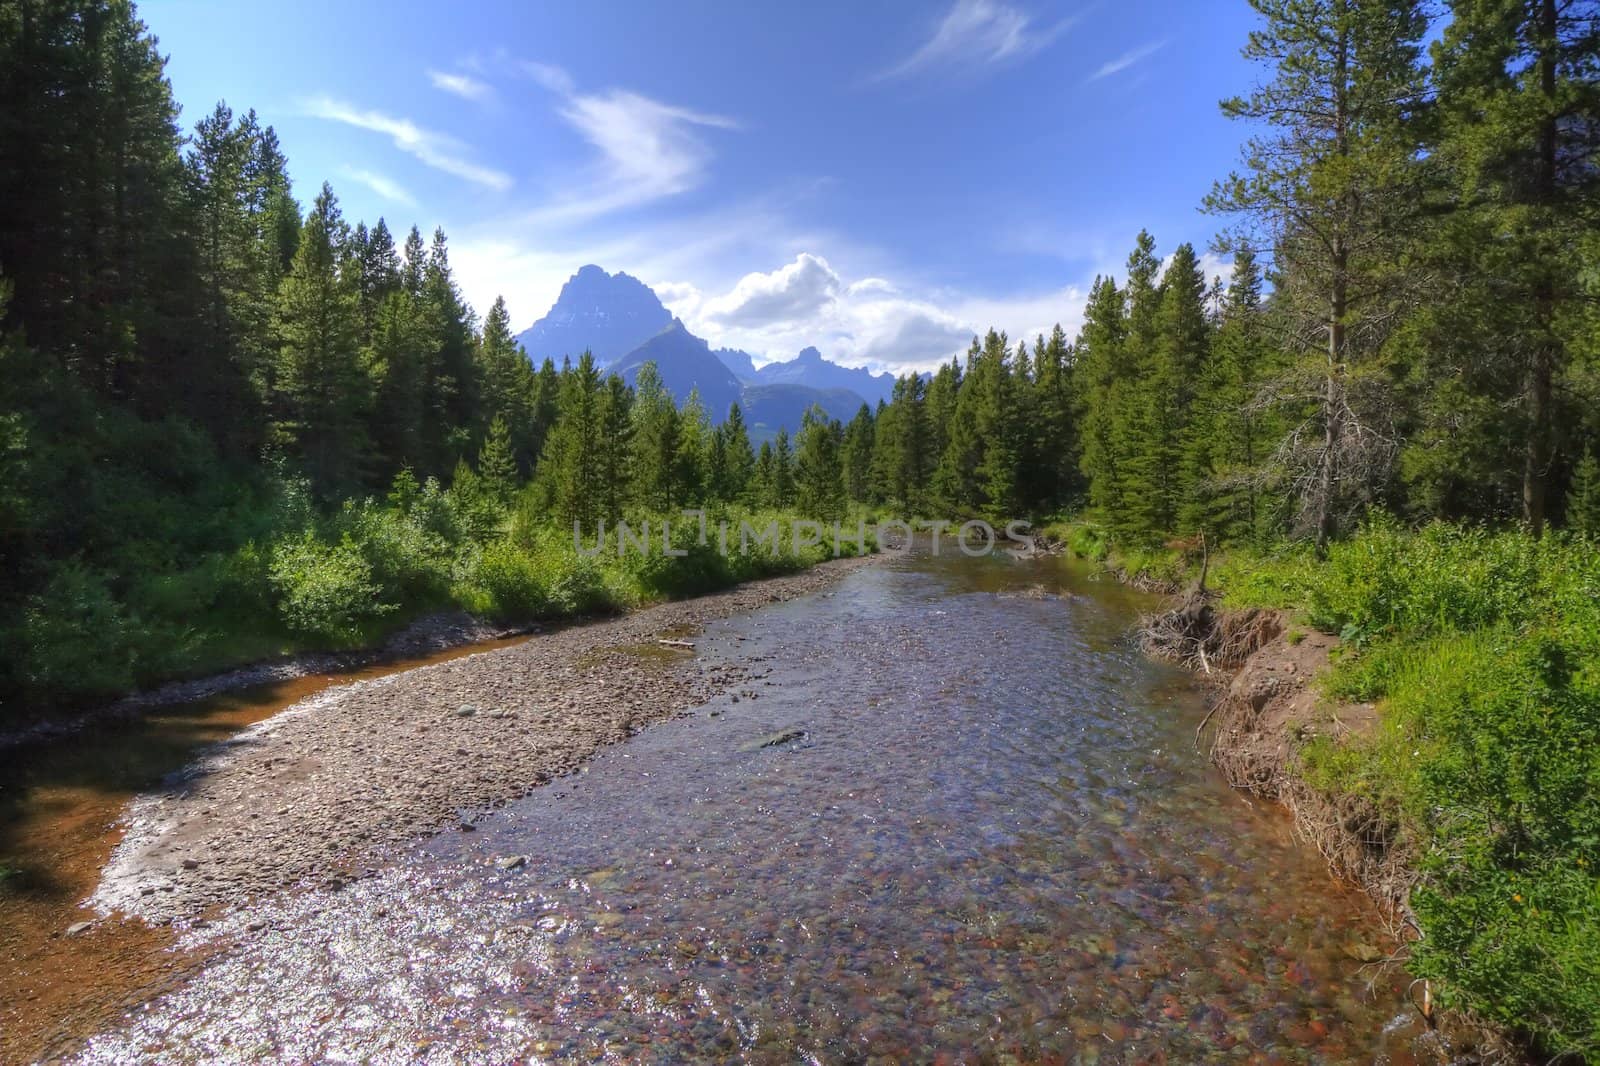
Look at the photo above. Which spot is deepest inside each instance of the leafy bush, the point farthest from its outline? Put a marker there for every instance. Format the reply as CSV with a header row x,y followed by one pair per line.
x,y
326,590
1484,648
78,639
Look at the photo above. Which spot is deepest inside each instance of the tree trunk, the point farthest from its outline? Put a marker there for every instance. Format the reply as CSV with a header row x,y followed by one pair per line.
x,y
1541,366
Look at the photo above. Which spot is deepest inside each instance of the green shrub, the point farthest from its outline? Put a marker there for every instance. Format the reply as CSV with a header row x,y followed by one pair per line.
x,y
326,590
505,582
78,639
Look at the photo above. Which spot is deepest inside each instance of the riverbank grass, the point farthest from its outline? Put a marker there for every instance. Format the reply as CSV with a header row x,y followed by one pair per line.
x,y
1481,650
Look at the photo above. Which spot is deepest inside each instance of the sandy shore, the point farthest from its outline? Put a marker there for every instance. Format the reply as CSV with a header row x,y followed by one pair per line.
x,y
316,794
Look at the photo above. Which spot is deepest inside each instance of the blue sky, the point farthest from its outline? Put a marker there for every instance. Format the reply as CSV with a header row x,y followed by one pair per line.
x,y
880,180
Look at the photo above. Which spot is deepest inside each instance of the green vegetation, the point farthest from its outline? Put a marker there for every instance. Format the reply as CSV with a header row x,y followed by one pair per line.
x,y
230,426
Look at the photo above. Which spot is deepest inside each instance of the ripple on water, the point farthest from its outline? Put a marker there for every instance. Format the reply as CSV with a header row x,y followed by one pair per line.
x,y
994,836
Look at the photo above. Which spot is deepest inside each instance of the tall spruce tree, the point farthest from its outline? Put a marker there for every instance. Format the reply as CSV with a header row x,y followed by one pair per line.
x,y
324,391
656,456
1332,185
1518,103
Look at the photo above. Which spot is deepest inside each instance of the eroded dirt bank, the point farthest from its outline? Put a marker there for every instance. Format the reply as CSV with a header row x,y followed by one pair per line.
x,y
1268,706
315,794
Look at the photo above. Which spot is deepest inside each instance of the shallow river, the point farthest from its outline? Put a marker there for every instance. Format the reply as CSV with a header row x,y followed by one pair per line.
x,y
994,841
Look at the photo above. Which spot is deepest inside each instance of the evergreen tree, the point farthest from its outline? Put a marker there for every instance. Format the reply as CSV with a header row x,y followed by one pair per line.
x,y
694,448
544,392
956,482
449,390
507,382
324,390
1055,442
782,472
1519,109
763,489
656,456
1103,372
818,470
571,471
1333,183
1157,471
1233,429
615,448
738,460
996,403
857,458
497,467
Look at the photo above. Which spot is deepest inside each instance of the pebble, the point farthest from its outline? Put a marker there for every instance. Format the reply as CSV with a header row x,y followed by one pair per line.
x,y
79,928
510,862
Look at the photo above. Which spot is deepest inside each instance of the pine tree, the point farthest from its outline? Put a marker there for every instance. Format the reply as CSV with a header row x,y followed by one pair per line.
x,y
904,445
694,448
857,458
1055,446
571,471
1232,428
1157,471
738,458
1103,373
818,470
955,483
1333,183
615,448
763,490
544,393
507,382
497,467
656,462
1519,109
782,472
450,386
324,391
996,406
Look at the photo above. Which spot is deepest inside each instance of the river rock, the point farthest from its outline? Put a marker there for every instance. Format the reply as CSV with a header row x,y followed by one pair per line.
x,y
79,928
772,740
510,862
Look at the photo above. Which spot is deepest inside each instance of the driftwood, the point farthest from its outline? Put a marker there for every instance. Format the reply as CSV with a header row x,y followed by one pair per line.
x,y
687,645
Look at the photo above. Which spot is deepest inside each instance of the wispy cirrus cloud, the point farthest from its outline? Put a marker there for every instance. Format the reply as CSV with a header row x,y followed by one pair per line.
x,y
437,150
462,85
978,33
1127,59
381,184
648,149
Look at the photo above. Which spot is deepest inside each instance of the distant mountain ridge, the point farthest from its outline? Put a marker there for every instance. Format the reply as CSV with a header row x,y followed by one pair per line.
x,y
623,323
811,368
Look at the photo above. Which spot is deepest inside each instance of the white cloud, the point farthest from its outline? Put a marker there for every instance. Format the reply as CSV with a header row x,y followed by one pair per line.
x,y
872,322
384,186
649,150
978,32
468,88
1127,59
436,150
792,293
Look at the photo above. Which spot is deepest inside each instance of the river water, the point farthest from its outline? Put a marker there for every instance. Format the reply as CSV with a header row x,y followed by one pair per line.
x,y
992,840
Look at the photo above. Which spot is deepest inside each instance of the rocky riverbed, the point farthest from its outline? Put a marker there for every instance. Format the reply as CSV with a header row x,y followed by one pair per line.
x,y
317,794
